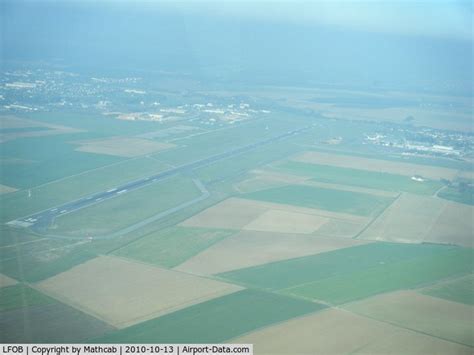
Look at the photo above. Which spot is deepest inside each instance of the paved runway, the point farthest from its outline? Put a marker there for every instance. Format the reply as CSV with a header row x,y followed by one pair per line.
x,y
43,219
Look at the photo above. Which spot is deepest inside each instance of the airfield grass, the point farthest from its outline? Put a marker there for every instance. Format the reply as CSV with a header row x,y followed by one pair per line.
x,y
36,261
328,199
129,208
361,178
243,162
19,204
454,194
350,261
222,140
460,290
216,320
386,277
18,296
172,246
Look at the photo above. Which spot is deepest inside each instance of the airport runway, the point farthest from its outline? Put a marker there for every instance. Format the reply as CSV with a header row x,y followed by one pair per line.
x,y
41,220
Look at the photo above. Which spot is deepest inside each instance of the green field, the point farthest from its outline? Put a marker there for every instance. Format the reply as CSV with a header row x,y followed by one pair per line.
x,y
215,321
45,159
49,323
18,204
454,194
360,178
172,246
328,199
386,277
338,263
129,208
460,290
18,296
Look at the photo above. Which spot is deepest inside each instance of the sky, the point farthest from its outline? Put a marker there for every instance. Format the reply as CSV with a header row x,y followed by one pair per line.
x,y
394,43
419,18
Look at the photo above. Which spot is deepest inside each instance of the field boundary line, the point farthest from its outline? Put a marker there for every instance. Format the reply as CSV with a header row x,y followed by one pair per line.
x,y
377,216
159,267
409,329
324,309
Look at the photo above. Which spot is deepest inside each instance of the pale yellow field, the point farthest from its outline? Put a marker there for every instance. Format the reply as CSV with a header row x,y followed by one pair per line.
x,y
286,222
400,168
236,213
467,174
15,122
430,315
416,219
6,281
122,146
337,228
454,225
6,189
233,213
248,248
122,292
335,331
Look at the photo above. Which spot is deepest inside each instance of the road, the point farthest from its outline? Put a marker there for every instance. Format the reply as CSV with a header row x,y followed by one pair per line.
x,y
43,219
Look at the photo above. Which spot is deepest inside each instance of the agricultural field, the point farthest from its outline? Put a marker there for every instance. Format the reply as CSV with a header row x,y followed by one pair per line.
x,y
172,246
6,189
13,128
454,194
254,215
335,331
347,274
262,179
387,276
328,199
286,222
120,212
216,320
122,293
410,310
250,248
51,323
459,290
417,219
360,178
122,146
19,295
230,214
376,165
6,281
